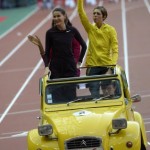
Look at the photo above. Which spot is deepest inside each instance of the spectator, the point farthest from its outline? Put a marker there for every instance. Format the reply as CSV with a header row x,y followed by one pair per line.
x,y
70,3
49,4
40,4
91,2
59,3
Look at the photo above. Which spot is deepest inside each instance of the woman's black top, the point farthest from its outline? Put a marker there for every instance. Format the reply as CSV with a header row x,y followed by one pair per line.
x,y
62,62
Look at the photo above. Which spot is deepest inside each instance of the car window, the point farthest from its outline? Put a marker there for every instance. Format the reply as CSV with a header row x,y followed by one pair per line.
x,y
83,91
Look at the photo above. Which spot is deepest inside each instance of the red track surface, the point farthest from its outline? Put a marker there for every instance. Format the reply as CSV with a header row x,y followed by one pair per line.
x,y
20,102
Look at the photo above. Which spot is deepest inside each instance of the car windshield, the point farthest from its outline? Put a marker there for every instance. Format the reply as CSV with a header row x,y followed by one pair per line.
x,y
83,91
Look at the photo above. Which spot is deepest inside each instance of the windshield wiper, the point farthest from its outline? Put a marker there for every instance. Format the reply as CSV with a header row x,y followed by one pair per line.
x,y
89,98
80,99
101,98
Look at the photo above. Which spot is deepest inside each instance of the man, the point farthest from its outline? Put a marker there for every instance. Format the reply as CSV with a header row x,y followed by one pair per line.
x,y
109,88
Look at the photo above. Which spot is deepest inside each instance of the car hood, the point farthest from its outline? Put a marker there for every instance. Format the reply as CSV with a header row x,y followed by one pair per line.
x,y
87,122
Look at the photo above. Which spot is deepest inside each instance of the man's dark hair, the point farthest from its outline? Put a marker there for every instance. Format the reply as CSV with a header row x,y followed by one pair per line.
x,y
106,83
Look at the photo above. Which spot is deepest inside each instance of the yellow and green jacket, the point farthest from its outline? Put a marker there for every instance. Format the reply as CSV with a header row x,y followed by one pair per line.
x,y
103,42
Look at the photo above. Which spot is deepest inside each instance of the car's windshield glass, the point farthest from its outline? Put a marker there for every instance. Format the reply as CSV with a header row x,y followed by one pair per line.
x,y
83,91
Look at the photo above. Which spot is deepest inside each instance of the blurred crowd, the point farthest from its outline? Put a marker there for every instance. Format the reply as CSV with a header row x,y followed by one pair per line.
x,y
70,3
65,3
51,3
16,3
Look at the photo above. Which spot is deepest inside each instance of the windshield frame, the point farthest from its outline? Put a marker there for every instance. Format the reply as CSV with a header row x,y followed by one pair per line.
x,y
79,80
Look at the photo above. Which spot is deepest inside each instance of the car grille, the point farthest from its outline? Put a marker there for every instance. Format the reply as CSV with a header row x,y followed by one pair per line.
x,y
83,142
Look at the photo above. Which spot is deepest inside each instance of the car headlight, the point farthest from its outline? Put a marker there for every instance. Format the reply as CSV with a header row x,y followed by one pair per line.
x,y
120,123
45,130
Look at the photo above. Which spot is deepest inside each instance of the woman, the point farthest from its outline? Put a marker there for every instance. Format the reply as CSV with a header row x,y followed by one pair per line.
x,y
103,43
59,38
75,48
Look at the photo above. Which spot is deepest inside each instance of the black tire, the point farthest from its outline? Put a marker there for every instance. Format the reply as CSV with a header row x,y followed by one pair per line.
x,y
142,144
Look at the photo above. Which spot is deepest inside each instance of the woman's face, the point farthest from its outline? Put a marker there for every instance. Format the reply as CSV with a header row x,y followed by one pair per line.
x,y
58,18
97,16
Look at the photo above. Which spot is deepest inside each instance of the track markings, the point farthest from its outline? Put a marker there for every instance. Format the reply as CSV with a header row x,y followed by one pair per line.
x,y
17,135
147,5
36,67
25,39
21,90
19,23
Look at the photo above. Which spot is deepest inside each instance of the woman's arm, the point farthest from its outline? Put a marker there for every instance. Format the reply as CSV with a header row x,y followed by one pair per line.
x,y
114,45
35,40
47,49
79,38
83,17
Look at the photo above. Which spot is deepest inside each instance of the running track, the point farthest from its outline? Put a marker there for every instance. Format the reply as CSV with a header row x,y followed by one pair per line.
x,y
21,67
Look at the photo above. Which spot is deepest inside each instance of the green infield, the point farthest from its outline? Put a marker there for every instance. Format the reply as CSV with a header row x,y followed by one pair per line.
x,y
10,18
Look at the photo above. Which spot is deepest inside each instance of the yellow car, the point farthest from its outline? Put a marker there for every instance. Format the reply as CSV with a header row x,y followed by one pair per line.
x,y
88,113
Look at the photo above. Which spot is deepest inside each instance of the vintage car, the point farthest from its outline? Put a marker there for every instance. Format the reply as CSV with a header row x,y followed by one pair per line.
x,y
88,113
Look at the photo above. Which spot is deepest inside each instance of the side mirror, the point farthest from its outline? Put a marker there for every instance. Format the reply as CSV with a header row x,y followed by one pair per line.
x,y
136,98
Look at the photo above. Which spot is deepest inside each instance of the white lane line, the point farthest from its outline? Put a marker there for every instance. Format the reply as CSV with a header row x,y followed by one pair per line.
x,y
145,96
19,134
34,70
147,123
22,112
13,51
125,42
134,7
12,133
73,15
25,39
147,5
31,33
146,56
146,119
139,56
21,90
19,23
18,70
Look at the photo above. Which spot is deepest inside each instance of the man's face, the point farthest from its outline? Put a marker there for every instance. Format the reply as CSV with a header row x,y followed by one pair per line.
x,y
108,90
